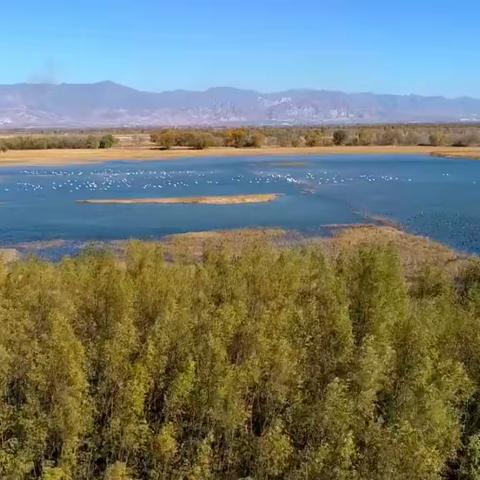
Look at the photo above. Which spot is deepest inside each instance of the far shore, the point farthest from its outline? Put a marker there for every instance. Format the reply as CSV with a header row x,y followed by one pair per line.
x,y
209,200
88,156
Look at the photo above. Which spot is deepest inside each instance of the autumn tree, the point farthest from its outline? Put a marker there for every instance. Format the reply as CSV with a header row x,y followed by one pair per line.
x,y
340,137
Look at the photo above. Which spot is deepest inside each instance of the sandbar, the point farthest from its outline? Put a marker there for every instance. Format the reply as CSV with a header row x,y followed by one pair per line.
x,y
208,200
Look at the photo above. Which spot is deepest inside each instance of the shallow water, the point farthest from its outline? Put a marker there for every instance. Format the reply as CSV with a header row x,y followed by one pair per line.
x,y
426,195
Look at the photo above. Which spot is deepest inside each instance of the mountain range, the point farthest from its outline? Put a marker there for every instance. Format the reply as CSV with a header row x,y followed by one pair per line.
x,y
108,104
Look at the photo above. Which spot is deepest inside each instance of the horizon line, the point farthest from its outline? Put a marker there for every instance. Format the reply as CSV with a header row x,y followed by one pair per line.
x,y
219,87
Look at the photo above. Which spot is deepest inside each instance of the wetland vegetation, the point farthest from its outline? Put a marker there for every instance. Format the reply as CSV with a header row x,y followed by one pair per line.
x,y
251,362
51,142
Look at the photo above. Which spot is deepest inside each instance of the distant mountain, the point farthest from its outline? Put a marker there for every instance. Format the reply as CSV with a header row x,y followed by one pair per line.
x,y
110,104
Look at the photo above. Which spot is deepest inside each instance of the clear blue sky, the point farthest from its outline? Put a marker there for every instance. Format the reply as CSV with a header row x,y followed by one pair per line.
x,y
392,46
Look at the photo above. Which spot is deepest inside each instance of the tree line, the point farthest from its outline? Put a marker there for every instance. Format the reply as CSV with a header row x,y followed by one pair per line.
x,y
262,364
201,139
256,137
432,135
46,142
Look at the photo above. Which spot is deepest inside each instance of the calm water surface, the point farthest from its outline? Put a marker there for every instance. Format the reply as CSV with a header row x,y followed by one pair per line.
x,y
430,196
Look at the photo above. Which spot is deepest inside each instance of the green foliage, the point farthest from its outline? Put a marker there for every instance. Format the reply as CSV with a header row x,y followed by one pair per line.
x,y
47,142
470,463
196,139
166,139
260,363
106,141
201,139
54,473
117,471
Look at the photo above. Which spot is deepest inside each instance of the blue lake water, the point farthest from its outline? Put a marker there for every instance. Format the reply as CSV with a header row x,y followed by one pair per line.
x,y
436,197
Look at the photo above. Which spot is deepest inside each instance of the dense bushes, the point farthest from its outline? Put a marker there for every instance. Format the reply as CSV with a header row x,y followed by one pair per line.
x,y
44,142
256,137
200,139
264,365
435,135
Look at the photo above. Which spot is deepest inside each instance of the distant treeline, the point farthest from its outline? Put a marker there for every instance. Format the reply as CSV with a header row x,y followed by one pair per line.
x,y
256,137
45,142
263,364
200,139
435,135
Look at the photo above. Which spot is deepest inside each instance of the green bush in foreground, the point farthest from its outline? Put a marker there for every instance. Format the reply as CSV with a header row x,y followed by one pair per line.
x,y
267,365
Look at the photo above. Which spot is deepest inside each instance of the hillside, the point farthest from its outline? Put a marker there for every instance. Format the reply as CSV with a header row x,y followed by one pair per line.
x,y
110,104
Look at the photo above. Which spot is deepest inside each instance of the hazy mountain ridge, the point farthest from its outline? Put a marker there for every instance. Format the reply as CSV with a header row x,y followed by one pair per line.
x,y
110,104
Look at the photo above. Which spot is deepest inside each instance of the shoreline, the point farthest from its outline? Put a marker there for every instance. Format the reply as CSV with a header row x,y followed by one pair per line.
x,y
67,157
415,249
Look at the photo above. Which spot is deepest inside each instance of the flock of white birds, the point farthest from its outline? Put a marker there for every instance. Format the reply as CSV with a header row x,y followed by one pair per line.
x,y
146,180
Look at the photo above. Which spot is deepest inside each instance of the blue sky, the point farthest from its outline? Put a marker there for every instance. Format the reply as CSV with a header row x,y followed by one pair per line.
x,y
390,46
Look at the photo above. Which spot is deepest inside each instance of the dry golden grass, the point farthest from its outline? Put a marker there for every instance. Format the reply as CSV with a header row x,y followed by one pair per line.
x,y
466,153
194,244
414,250
86,156
210,200
8,255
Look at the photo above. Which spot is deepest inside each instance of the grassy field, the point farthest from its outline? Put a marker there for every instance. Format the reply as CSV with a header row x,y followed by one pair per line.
x,y
209,200
86,156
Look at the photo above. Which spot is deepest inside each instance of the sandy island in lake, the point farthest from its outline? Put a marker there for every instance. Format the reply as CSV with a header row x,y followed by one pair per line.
x,y
88,156
210,200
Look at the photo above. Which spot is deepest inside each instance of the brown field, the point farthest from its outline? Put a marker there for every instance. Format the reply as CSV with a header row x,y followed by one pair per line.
x,y
210,200
85,156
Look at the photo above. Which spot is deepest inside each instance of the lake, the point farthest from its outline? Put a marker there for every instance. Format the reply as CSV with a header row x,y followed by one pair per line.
x,y
425,195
